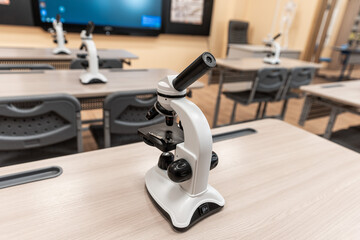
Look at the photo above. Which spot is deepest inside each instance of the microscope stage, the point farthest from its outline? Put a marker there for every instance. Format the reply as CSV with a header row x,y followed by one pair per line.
x,y
164,137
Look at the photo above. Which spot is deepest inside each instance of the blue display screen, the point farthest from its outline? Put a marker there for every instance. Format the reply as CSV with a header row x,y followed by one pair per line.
x,y
117,13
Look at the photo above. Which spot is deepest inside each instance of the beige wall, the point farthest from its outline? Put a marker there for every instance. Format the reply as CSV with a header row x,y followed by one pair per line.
x,y
169,51
260,14
338,18
175,51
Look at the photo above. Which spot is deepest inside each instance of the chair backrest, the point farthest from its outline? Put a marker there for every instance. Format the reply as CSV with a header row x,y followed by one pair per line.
x,y
26,67
124,113
298,77
38,121
103,63
238,32
269,80
301,76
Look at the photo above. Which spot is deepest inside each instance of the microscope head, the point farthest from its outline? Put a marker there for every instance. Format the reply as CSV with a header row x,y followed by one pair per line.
x,y
175,86
87,33
57,21
166,136
271,42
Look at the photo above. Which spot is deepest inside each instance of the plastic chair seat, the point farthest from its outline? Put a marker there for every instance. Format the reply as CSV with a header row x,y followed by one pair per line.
x,y
243,97
97,132
67,147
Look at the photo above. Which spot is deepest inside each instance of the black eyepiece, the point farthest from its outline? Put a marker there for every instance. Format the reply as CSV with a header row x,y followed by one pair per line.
x,y
58,18
276,36
90,28
194,71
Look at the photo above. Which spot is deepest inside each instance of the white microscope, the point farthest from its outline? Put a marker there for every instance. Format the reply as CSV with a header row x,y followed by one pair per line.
x,y
274,56
59,37
178,184
92,74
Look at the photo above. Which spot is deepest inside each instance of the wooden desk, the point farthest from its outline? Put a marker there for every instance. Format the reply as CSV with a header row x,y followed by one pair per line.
x,y
254,64
258,51
340,97
45,55
67,81
309,191
351,56
247,69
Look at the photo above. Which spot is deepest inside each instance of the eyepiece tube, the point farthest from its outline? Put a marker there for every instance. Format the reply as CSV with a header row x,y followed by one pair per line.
x,y
90,28
194,71
276,36
58,18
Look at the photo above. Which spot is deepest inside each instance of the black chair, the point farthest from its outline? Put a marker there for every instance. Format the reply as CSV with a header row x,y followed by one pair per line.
x,y
298,77
267,87
103,63
238,33
39,127
19,67
124,114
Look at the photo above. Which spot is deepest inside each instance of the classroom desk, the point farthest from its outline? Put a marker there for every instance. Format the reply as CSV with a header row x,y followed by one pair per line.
x,y
247,69
45,55
340,97
67,81
258,51
351,57
309,191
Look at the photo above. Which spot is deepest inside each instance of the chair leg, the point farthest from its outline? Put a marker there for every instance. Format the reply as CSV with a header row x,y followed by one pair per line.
x,y
306,110
283,110
331,123
79,138
264,110
233,113
107,135
258,111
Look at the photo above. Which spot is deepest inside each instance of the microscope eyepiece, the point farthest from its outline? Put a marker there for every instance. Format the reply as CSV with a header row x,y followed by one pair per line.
x,y
194,71
90,28
58,18
276,36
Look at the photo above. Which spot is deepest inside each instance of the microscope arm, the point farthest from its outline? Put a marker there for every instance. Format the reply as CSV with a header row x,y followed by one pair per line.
x,y
92,75
59,37
197,146
92,57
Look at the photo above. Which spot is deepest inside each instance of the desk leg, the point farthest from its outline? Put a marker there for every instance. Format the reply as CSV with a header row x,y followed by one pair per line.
x,y
331,123
351,67
344,66
218,98
306,110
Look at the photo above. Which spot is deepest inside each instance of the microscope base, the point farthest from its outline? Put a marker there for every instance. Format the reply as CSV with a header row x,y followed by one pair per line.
x,y
61,51
89,78
181,209
271,60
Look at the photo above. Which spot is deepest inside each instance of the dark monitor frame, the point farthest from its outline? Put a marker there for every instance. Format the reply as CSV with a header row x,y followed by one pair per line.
x,y
108,30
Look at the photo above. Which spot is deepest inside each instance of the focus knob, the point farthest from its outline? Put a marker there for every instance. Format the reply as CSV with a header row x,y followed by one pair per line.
x,y
179,171
214,160
165,160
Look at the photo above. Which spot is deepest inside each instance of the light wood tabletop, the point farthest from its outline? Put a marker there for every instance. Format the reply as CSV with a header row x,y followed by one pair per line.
x,y
67,81
258,48
254,64
280,183
45,54
346,92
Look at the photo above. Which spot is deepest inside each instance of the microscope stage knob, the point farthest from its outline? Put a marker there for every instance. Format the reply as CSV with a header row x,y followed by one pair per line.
x,y
214,160
152,113
165,160
81,55
179,171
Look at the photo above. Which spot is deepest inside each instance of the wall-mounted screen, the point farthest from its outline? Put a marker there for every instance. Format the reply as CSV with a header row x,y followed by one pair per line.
x,y
133,17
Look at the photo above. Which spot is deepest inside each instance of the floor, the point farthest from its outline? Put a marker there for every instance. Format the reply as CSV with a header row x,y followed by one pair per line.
x,y
205,98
